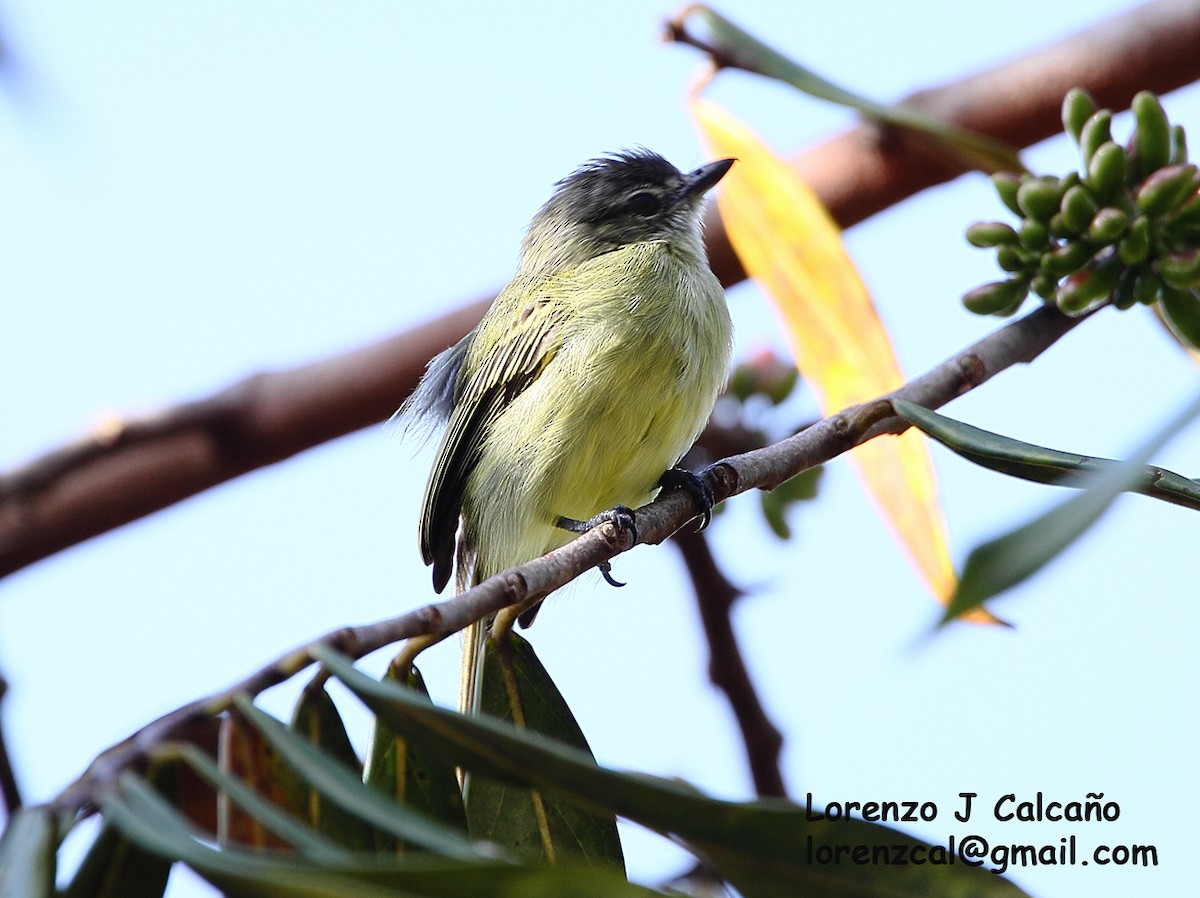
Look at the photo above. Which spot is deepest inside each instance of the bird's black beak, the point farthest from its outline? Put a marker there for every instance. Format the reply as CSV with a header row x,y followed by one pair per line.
x,y
703,179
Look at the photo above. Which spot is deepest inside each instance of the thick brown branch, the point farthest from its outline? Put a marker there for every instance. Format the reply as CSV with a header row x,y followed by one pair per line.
x,y
129,469
1021,341
139,466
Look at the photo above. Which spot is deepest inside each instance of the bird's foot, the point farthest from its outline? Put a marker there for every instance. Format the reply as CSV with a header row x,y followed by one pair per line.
x,y
620,516
696,486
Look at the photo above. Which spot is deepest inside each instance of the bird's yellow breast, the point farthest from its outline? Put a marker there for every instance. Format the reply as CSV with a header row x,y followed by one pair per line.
x,y
628,388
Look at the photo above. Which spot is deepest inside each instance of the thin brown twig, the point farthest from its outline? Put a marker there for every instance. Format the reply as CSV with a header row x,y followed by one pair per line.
x,y
9,789
140,466
727,669
1020,341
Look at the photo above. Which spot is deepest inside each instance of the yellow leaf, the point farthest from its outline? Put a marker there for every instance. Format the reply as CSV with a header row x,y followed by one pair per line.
x,y
788,243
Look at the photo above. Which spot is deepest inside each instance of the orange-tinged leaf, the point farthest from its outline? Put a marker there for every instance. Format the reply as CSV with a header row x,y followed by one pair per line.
x,y
788,243
245,754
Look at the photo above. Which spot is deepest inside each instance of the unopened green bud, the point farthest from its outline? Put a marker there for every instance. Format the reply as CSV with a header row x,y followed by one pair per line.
x,y
1078,107
1066,259
1188,211
780,387
1059,228
1166,189
1078,208
1180,270
1153,133
1108,226
1123,296
1178,145
1181,308
1012,258
1135,245
1106,171
1148,288
990,233
1096,132
1007,184
1033,235
997,296
1038,198
1043,285
1087,289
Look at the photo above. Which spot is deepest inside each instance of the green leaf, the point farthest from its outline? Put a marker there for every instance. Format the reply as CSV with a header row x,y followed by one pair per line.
x,y
764,848
144,816
1002,563
411,777
1042,465
347,790
244,755
494,880
27,854
148,819
1153,133
516,688
317,719
115,866
1078,107
265,812
1181,310
750,54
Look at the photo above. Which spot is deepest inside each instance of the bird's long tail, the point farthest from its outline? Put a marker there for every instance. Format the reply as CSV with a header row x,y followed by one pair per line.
x,y
467,574
472,666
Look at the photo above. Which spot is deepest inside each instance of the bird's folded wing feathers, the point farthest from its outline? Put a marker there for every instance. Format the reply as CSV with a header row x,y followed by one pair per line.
x,y
486,384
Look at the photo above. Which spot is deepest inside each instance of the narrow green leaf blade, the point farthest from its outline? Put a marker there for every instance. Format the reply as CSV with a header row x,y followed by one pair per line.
x,y
27,854
146,817
423,782
115,867
490,879
316,718
1039,464
1002,563
270,815
341,786
516,688
765,848
752,55
246,757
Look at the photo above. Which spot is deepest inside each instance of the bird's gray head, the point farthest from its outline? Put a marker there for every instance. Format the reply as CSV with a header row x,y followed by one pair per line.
x,y
630,197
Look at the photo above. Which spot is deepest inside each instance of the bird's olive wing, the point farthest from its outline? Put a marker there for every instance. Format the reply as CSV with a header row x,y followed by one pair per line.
x,y
502,361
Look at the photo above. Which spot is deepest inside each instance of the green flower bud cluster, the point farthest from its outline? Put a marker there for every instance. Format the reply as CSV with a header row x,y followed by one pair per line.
x,y
1124,229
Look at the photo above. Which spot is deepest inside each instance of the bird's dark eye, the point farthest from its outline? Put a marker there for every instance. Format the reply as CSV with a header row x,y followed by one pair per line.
x,y
642,203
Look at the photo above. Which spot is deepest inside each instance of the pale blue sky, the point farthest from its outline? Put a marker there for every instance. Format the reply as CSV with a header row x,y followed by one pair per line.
x,y
196,192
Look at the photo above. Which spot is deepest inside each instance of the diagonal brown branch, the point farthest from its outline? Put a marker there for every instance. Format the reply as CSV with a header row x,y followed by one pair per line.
x,y
1020,341
727,669
142,465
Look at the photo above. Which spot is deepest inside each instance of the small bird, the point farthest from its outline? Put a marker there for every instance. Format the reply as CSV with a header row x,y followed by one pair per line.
x,y
586,381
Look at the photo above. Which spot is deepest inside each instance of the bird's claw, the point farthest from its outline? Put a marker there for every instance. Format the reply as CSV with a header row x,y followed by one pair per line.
x,y
620,516
696,486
